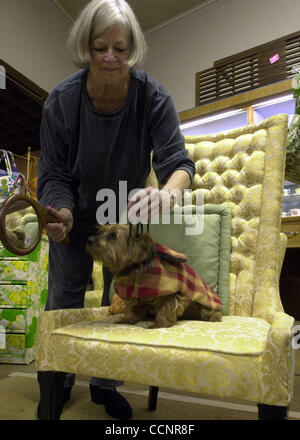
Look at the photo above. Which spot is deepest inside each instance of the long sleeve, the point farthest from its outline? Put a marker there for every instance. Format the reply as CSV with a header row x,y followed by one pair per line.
x,y
54,177
169,153
85,151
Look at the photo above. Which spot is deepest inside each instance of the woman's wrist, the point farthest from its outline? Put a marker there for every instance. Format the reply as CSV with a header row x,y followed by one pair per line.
x,y
174,193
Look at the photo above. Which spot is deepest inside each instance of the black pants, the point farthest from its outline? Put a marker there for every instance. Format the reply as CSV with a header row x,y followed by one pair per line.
x,y
70,269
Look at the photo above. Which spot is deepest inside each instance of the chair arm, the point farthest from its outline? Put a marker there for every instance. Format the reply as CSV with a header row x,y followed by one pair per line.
x,y
267,301
51,320
278,362
93,298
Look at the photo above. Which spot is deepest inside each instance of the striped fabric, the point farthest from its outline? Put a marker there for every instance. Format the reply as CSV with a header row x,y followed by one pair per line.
x,y
167,274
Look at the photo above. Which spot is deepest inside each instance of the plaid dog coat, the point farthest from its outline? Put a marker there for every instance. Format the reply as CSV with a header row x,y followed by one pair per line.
x,y
166,274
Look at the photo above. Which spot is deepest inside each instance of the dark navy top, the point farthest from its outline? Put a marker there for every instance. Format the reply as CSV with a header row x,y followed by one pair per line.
x,y
84,150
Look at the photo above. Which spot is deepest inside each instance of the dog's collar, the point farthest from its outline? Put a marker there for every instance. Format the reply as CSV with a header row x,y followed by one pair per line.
x,y
138,265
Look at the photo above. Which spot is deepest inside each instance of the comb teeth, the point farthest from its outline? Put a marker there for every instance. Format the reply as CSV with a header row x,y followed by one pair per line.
x,y
139,230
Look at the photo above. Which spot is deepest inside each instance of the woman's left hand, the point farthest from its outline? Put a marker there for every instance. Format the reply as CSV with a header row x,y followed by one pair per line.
x,y
59,231
147,203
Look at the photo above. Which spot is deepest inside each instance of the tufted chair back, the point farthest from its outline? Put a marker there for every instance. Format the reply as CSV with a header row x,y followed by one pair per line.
x,y
244,169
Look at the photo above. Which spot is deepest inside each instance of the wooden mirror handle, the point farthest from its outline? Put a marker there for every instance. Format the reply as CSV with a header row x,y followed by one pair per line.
x,y
23,202
46,217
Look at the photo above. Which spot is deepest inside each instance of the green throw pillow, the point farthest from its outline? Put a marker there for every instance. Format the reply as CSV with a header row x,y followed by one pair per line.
x,y
205,239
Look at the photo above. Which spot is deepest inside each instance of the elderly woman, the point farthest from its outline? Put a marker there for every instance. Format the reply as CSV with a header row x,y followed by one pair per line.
x,y
99,128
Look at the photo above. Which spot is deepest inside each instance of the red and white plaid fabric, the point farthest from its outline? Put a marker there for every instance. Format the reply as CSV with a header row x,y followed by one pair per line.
x,y
167,274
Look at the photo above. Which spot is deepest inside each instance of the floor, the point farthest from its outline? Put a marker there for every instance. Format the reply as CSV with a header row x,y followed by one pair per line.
x,y
294,408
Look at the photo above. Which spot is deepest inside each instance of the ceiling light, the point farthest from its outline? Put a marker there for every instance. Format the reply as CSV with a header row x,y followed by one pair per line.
x,y
210,119
274,101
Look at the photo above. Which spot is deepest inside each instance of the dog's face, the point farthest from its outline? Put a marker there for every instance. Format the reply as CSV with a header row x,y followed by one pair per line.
x,y
117,248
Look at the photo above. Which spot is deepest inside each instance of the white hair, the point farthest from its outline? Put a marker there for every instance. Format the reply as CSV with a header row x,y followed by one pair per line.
x,y
96,19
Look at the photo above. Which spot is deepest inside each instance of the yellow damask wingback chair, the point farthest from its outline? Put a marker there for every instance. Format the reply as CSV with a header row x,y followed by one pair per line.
x,y
249,354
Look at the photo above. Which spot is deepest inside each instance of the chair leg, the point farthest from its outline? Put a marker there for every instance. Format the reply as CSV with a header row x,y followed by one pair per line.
x,y
152,398
272,412
51,388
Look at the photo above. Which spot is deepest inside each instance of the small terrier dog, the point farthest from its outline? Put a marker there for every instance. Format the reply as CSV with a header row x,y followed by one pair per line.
x,y
151,280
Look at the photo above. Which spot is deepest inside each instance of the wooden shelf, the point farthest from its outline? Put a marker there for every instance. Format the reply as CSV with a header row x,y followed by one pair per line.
x,y
291,227
241,100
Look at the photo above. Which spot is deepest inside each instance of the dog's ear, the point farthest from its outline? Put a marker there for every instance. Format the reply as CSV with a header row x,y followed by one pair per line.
x,y
140,247
146,241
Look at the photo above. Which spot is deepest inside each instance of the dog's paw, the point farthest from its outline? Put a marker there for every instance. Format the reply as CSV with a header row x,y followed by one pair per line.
x,y
144,324
153,326
116,319
125,319
215,317
165,324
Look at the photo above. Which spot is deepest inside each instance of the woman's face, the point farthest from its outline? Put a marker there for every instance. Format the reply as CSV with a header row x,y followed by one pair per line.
x,y
109,53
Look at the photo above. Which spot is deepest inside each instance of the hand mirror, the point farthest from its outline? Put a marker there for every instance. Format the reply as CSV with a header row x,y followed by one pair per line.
x,y
22,220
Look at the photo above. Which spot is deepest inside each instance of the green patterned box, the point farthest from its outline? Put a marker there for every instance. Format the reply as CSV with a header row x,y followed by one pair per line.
x,y
15,349
23,295
13,320
13,270
13,295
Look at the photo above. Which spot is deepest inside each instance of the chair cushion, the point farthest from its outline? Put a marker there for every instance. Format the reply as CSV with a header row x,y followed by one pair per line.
x,y
208,250
223,358
234,335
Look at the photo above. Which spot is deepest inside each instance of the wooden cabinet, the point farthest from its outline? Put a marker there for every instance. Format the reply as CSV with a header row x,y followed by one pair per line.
x,y
291,227
23,294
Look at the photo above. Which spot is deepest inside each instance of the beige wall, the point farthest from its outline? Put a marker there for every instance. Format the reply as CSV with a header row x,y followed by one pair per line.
x,y
32,36
221,29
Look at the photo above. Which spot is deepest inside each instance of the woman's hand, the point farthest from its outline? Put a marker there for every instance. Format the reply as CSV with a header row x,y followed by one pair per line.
x,y
148,203
60,230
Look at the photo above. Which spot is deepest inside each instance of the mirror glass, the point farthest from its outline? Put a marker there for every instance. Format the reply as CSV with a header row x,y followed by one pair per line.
x,y
21,225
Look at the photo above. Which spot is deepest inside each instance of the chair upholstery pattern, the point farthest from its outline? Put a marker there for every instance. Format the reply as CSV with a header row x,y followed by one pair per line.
x,y
235,169
249,354
93,297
